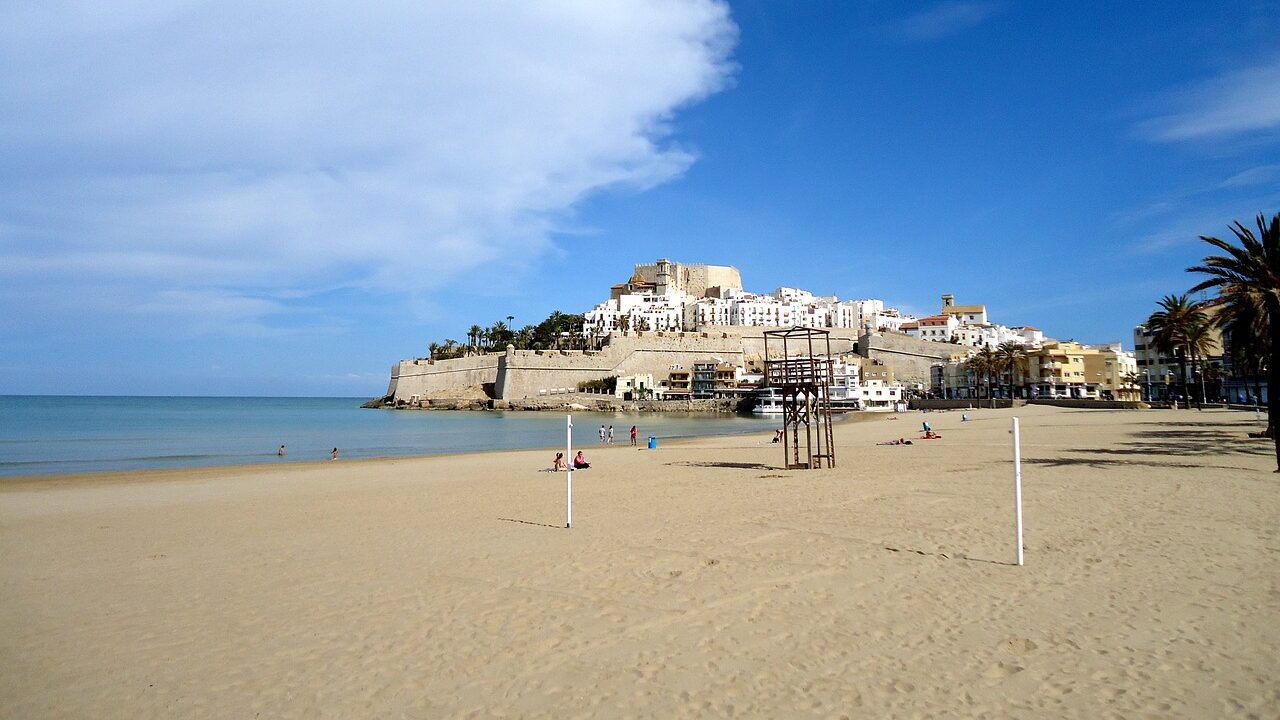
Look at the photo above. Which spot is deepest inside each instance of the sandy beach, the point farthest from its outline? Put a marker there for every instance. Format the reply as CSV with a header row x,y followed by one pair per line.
x,y
698,581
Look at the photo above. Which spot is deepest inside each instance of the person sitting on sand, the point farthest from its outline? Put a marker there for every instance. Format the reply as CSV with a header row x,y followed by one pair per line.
x,y
558,465
777,436
580,461
931,435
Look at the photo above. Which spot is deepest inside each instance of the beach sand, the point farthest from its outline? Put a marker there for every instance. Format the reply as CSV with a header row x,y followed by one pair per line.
x,y
698,581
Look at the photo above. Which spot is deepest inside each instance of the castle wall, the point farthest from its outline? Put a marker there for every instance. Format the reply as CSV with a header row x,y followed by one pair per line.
x,y
520,374
441,378
751,339
532,373
909,357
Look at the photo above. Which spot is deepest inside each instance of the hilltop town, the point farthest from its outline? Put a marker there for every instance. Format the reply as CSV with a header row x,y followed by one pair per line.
x,y
691,333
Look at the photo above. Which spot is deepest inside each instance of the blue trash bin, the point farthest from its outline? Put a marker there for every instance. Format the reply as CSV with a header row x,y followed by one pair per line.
x,y
653,442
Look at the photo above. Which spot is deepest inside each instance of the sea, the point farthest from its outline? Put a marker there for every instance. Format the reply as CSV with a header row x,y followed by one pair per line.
x,y
48,435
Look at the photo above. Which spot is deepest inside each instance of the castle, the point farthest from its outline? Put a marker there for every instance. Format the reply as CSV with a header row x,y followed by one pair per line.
x,y
668,317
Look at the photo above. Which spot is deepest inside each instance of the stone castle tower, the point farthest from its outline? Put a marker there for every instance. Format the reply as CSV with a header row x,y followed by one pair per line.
x,y
697,280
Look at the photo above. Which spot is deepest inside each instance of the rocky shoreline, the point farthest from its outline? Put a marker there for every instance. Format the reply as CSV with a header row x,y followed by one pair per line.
x,y
560,403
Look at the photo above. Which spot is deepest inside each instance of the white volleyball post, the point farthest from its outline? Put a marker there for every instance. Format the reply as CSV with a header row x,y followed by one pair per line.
x,y
1017,485
568,472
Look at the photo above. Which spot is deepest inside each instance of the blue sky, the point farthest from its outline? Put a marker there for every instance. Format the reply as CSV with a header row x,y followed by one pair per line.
x,y
225,198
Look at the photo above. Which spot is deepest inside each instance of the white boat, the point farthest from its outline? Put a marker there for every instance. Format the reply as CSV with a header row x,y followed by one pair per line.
x,y
768,401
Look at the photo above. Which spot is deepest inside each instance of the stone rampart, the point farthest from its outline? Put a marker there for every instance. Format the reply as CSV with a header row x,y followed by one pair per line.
x,y
909,357
438,379
751,339
534,373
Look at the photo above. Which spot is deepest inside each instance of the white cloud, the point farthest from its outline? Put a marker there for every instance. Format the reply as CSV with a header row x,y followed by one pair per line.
x,y
1260,175
1234,103
945,19
247,151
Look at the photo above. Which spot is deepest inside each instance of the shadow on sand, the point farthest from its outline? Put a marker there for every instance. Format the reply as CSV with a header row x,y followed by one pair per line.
x,y
1162,448
530,522
731,465
945,556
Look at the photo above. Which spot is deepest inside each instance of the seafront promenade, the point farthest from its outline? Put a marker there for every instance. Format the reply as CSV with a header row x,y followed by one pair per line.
x,y
698,580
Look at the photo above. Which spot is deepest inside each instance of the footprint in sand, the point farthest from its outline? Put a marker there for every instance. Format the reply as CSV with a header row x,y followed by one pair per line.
x,y
1001,670
1019,645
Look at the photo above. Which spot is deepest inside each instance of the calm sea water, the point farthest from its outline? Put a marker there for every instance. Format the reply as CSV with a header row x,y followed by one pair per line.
x,y
41,435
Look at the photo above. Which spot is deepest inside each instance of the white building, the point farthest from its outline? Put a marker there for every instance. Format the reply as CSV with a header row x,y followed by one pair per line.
x,y
936,328
877,396
785,307
639,311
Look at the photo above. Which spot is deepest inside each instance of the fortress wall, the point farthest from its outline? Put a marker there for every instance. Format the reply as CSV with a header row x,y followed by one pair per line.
x,y
526,373
751,339
909,357
438,379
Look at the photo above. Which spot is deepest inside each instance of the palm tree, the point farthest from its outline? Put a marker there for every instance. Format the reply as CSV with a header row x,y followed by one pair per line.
x,y
1013,359
991,364
1199,346
499,335
979,364
474,336
1170,326
1248,276
1247,344
1130,380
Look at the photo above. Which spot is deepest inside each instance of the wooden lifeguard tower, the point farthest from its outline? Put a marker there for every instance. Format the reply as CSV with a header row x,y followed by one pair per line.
x,y
803,376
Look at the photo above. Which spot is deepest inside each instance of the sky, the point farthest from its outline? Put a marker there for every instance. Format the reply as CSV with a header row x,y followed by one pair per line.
x,y
237,198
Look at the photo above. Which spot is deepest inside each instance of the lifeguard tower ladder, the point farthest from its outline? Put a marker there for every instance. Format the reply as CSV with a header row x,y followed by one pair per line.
x,y
803,375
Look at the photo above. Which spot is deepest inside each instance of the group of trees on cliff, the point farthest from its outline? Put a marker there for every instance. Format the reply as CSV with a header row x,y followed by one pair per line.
x,y
1247,279
558,331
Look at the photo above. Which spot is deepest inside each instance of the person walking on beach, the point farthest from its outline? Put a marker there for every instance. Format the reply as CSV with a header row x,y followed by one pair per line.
x,y
634,433
610,434
602,434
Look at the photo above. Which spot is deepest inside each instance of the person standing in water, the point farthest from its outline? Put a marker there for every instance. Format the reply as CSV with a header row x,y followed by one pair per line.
x,y
634,432
334,454
280,452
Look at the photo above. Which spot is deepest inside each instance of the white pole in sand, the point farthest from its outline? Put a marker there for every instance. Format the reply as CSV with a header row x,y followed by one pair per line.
x,y
568,472
1017,484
